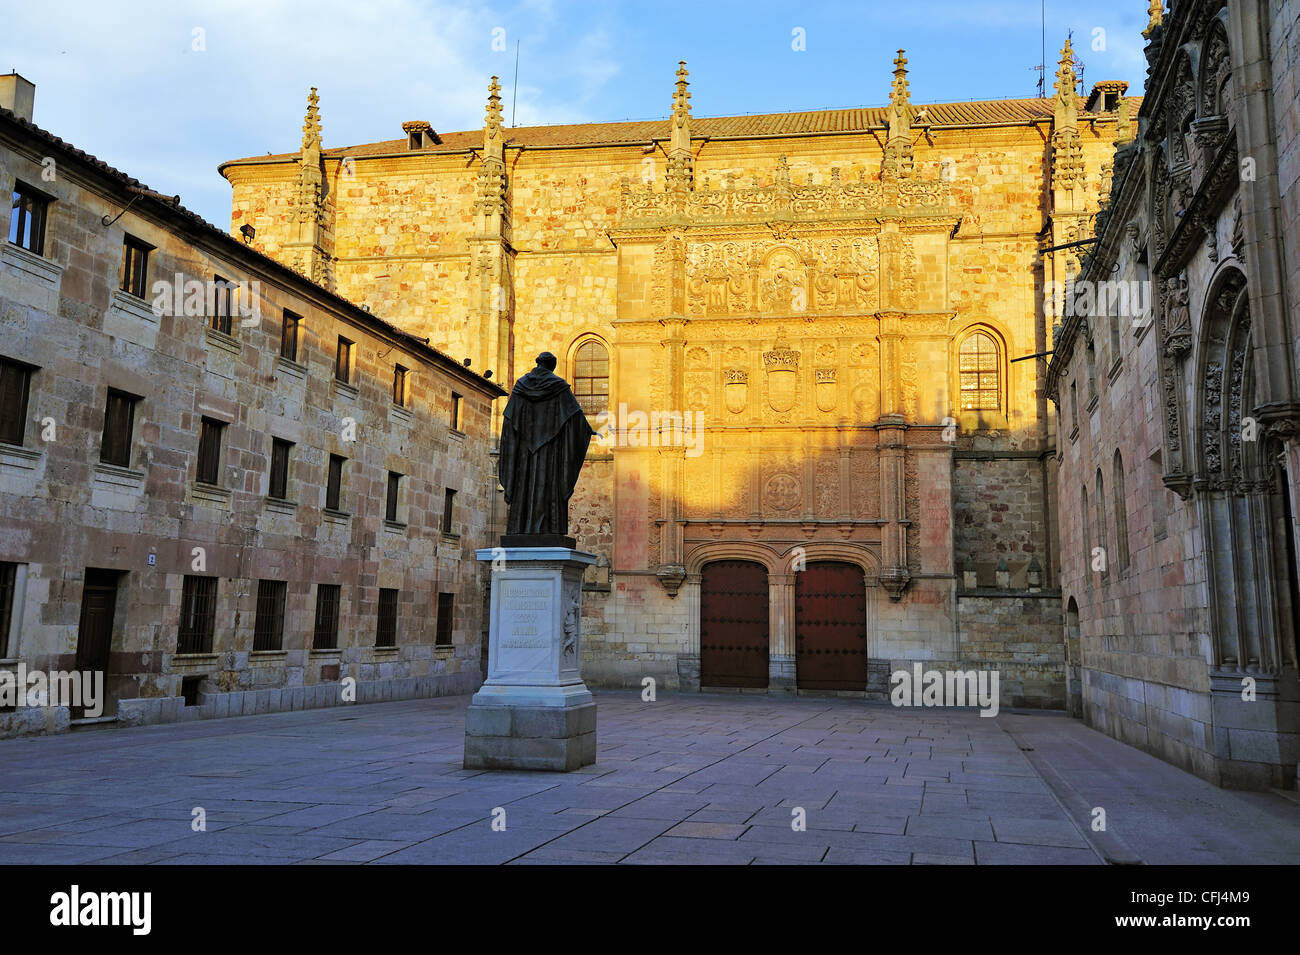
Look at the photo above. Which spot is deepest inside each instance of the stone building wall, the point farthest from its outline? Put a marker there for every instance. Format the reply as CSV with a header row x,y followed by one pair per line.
x,y
1178,578
152,523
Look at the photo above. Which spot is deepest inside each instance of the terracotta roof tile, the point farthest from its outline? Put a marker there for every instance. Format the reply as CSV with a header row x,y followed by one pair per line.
x,y
716,127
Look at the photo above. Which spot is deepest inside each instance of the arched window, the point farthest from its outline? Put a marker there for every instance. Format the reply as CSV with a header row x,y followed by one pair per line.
x,y
1103,540
591,377
1121,514
1087,533
979,369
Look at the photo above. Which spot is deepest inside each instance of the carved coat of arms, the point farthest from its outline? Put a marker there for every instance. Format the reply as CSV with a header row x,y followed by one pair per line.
x,y
735,389
782,366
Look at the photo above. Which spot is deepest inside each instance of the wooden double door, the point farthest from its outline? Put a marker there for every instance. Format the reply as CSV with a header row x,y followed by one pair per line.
x,y
830,625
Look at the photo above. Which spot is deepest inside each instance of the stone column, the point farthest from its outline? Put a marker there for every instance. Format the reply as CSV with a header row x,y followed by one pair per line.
x,y
781,654
892,437
688,659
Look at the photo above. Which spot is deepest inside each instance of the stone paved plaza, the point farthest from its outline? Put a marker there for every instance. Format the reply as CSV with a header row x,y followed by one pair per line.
x,y
686,779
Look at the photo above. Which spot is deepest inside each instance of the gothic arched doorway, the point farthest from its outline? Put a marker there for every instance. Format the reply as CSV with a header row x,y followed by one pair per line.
x,y
830,629
733,624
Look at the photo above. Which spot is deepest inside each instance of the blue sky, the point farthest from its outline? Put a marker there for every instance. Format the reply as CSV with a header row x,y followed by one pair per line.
x,y
131,87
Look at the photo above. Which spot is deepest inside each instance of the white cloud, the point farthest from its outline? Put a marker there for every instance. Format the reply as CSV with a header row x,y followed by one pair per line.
x,y
130,88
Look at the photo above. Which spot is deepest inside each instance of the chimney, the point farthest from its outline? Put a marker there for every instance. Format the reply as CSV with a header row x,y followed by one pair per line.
x,y
17,95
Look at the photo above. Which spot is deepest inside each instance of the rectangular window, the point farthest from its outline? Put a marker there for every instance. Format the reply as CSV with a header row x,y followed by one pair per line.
x,y
198,614
387,633
455,412
394,488
446,603
343,361
279,485
27,223
334,486
325,636
135,266
448,506
399,385
209,470
268,628
289,336
219,311
119,421
15,383
8,583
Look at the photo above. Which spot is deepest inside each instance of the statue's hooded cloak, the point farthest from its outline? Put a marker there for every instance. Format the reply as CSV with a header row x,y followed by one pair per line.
x,y
544,440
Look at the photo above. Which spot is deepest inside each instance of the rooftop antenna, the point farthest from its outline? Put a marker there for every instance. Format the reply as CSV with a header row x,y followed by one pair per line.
x,y
514,97
1041,69
1078,67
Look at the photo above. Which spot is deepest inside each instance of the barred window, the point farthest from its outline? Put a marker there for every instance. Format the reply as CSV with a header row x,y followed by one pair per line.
x,y
268,628
978,366
326,633
387,632
591,377
198,615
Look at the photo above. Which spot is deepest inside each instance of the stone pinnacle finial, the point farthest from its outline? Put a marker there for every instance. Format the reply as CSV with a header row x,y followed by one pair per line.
x,y
311,124
898,94
1067,97
1155,17
681,165
897,163
681,98
493,121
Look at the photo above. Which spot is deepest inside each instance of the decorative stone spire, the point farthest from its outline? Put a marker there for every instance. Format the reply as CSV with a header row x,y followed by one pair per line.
x,y
1155,17
898,144
681,165
306,252
1067,150
490,200
492,135
1067,96
311,124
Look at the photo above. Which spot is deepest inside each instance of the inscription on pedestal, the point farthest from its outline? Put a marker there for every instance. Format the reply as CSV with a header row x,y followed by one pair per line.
x,y
525,638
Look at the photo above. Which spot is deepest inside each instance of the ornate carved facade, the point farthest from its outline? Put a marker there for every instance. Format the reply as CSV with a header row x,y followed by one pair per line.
x,y
801,328
1188,648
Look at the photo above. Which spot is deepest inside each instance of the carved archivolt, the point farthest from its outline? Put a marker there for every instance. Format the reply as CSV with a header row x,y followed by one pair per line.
x,y
1225,389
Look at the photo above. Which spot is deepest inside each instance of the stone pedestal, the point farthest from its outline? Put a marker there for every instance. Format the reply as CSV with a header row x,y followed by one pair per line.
x,y
533,711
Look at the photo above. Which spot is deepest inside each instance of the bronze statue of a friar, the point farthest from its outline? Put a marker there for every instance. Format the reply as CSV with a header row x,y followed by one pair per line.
x,y
544,440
